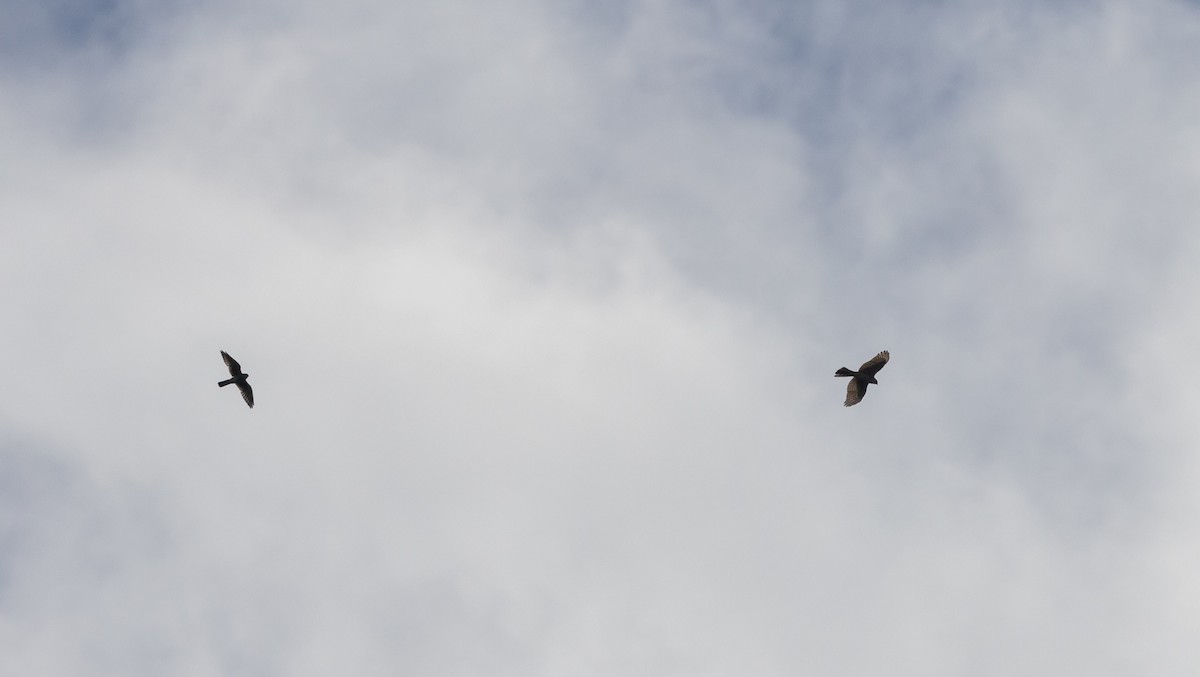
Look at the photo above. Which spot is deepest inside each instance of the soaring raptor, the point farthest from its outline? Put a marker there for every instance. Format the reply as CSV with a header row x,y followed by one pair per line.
x,y
857,387
239,379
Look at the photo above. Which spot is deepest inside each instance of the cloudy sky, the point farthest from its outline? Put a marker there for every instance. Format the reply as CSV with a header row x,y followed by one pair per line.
x,y
542,302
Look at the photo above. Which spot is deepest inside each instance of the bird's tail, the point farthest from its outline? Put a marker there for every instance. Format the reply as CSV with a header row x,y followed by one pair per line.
x,y
843,372
227,382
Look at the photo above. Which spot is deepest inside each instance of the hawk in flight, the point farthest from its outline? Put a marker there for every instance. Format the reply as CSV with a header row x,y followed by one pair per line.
x,y
857,387
239,379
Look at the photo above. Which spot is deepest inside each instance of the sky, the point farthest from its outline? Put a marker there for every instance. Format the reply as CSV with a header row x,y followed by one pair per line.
x,y
542,303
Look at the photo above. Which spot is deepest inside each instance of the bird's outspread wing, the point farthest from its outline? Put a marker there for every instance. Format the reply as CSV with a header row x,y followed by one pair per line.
x,y
855,390
235,369
873,365
247,393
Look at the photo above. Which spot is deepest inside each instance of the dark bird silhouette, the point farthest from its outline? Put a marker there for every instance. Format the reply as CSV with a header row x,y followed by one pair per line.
x,y
239,379
857,387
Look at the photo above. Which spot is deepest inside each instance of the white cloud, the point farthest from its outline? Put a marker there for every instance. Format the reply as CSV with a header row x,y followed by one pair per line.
x,y
542,306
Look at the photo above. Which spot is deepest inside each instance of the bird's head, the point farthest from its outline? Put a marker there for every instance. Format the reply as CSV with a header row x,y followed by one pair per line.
x,y
871,379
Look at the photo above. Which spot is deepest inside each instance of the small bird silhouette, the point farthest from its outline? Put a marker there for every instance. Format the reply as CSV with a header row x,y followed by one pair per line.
x,y
857,387
239,379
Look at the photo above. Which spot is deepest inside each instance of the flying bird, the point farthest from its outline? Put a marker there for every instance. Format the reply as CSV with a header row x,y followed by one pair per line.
x,y
857,387
239,379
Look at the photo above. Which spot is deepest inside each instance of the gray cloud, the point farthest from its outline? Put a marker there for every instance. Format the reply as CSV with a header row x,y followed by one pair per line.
x,y
541,306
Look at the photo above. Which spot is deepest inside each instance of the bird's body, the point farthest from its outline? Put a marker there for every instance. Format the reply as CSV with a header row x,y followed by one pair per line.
x,y
859,380
239,379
